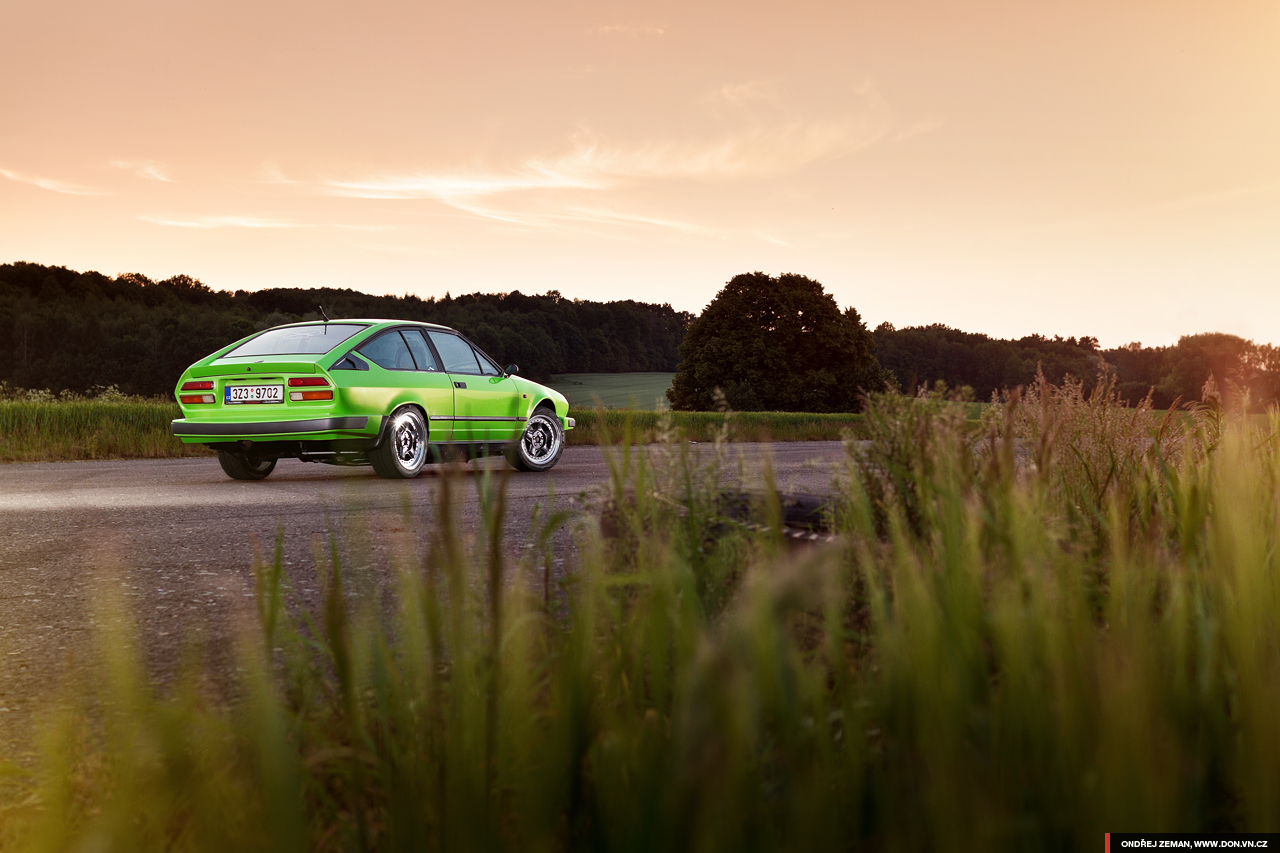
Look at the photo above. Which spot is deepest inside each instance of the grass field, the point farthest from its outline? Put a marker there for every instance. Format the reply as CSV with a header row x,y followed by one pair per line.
x,y
1064,626
640,391
57,431
52,430
89,429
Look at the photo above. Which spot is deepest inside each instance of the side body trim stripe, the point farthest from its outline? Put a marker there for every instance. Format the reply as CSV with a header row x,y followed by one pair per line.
x,y
448,418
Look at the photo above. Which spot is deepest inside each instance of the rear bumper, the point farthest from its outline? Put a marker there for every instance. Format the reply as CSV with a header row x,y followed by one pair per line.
x,y
183,428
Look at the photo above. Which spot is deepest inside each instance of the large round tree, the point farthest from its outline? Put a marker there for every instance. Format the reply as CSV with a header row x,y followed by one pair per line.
x,y
776,344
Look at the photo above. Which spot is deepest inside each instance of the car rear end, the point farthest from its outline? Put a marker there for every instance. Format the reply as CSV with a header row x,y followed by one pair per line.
x,y
271,405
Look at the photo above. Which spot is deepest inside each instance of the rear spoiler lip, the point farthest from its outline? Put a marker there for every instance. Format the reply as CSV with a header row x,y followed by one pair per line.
x,y
261,368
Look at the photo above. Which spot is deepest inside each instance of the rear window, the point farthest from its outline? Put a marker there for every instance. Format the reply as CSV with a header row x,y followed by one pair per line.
x,y
296,340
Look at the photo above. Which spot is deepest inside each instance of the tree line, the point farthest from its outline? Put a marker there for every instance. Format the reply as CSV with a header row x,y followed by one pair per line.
x,y
921,355
69,330
781,342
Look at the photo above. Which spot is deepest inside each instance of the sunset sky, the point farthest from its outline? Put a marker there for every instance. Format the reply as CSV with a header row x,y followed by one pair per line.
x,y
1106,168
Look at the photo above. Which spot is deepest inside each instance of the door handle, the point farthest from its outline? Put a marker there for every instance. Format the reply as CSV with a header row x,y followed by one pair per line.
x,y
459,385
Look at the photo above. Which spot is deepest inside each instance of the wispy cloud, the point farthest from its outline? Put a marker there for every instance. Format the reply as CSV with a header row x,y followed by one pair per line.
x,y
399,248
740,94
546,192
228,221
553,190
614,217
273,174
755,152
632,30
561,217
50,184
147,169
447,187
920,128
777,241
591,165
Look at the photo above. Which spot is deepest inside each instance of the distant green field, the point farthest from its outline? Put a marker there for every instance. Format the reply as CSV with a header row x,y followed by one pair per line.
x,y
613,390
595,427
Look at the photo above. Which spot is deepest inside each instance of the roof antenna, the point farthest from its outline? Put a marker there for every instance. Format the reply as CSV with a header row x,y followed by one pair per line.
x,y
322,314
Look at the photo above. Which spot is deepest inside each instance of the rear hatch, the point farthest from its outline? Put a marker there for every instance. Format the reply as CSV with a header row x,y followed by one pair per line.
x,y
247,390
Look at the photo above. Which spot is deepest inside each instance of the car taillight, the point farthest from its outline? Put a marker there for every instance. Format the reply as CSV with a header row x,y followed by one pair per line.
x,y
197,386
309,382
299,396
195,398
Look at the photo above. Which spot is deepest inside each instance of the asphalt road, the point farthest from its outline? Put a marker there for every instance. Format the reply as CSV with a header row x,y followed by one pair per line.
x,y
175,539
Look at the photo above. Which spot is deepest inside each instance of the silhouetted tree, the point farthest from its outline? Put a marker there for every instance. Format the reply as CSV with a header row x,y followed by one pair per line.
x,y
776,343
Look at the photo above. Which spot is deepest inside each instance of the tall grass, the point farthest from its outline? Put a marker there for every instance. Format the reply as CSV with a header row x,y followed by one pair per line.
x,y
981,661
47,431
52,430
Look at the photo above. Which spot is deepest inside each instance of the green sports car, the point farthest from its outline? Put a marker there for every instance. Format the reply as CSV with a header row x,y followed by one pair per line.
x,y
388,393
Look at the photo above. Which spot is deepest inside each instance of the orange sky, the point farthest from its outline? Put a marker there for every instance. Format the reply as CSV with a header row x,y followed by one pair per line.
x,y
1107,168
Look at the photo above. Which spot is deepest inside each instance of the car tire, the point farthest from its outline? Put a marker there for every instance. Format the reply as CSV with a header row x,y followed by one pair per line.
x,y
403,451
540,445
237,466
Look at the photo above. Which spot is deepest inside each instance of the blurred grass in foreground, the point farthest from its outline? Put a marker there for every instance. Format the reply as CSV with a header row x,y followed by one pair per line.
x,y
1064,626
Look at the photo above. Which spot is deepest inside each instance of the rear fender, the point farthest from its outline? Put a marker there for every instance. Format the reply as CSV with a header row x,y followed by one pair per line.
x,y
401,400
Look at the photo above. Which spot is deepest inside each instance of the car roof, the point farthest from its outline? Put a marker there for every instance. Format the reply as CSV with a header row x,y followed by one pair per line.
x,y
367,321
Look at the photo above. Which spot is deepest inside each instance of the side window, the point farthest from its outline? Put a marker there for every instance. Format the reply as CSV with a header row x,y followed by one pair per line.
x,y
389,350
421,352
455,353
350,361
487,367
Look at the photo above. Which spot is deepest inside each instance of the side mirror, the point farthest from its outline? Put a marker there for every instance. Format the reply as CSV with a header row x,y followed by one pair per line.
x,y
513,369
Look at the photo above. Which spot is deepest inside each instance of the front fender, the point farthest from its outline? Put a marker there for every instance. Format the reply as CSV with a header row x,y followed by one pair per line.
x,y
537,394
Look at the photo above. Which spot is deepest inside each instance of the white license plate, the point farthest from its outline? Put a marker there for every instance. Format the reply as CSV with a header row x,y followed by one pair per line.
x,y
254,394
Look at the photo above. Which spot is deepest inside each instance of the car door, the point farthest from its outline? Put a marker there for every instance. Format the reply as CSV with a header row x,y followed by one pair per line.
x,y
410,373
486,402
